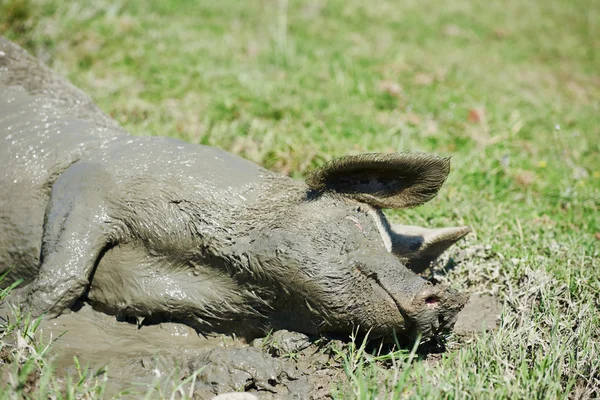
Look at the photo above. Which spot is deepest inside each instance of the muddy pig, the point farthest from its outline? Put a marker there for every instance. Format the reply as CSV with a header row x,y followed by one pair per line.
x,y
154,229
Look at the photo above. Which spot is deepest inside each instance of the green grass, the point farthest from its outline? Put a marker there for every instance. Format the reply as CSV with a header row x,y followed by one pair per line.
x,y
510,89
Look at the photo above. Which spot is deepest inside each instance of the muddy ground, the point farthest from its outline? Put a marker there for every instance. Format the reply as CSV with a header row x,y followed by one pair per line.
x,y
283,365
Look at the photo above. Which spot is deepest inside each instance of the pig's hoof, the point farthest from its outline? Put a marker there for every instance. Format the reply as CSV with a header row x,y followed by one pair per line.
x,y
41,303
38,304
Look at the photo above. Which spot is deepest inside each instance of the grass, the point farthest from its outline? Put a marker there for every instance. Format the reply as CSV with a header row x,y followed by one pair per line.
x,y
510,89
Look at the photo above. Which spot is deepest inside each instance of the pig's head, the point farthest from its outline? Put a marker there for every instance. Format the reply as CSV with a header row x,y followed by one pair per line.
x,y
338,263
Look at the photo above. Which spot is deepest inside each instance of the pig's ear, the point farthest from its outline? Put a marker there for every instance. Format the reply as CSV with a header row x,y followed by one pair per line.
x,y
420,246
397,180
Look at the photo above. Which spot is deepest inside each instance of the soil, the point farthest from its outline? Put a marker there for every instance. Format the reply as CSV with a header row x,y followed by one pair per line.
x,y
481,313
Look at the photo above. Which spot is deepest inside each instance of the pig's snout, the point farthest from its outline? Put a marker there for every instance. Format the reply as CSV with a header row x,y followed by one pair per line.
x,y
434,310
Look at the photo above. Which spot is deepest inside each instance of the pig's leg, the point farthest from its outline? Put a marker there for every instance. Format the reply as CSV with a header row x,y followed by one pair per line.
x,y
76,230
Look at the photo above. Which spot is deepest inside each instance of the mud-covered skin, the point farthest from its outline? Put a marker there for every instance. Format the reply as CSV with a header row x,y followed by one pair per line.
x,y
157,229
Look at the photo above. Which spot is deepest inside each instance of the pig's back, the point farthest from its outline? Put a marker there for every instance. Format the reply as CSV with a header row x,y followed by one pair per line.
x,y
45,122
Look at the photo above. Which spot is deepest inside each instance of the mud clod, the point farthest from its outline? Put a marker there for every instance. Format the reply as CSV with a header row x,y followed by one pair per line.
x,y
6,356
481,313
237,369
283,343
248,368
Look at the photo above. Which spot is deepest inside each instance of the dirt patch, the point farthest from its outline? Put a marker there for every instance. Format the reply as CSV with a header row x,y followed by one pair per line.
x,y
481,313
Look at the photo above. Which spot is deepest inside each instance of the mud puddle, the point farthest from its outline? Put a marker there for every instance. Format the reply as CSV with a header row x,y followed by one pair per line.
x,y
132,357
160,357
283,365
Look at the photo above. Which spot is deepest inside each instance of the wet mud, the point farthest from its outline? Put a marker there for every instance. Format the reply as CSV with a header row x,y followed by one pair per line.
x,y
283,365
137,359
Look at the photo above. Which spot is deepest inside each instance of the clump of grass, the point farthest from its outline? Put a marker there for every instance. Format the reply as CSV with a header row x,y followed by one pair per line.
x,y
16,16
373,373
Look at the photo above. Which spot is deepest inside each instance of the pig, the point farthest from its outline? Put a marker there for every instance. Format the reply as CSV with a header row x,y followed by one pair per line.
x,y
153,229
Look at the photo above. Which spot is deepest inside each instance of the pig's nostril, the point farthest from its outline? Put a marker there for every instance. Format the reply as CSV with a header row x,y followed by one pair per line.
x,y
432,300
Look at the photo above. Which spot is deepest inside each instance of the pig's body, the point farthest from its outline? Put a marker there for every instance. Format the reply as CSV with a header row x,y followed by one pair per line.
x,y
157,229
